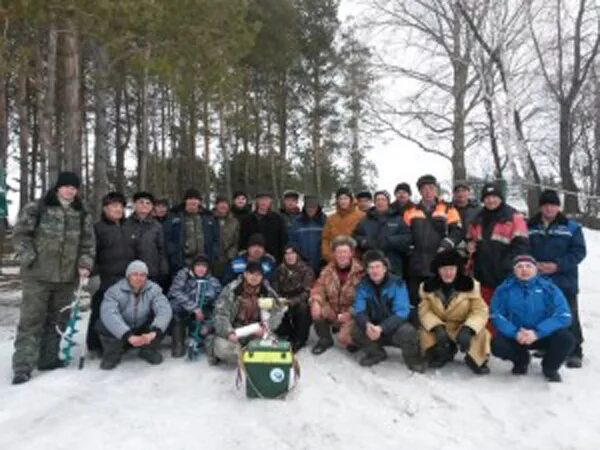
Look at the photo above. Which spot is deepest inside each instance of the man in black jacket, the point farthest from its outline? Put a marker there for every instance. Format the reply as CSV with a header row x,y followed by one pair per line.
x,y
240,208
148,239
383,229
264,221
114,251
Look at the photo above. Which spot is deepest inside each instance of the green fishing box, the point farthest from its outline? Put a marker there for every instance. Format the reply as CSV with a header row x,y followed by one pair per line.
x,y
268,367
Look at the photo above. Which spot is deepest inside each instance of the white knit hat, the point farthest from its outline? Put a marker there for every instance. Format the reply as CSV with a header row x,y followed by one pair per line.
x,y
136,266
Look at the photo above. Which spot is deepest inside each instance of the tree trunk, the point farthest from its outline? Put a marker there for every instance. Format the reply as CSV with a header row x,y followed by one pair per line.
x,y
23,120
206,134
224,150
47,138
565,151
101,133
71,99
3,117
282,117
144,136
460,72
596,115
316,135
33,113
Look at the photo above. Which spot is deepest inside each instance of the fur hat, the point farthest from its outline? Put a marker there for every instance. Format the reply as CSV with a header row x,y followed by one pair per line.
x,y
68,179
342,240
446,258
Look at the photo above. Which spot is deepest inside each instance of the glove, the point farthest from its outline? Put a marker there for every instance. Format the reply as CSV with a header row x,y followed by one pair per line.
x,y
464,338
441,336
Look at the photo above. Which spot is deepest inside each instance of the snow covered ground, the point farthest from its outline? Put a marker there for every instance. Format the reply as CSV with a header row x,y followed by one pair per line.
x,y
337,404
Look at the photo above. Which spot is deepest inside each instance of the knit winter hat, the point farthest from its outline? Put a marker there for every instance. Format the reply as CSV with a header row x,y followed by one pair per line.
x,y
371,256
386,194
364,194
343,191
549,197
426,179
256,239
446,258
192,193
146,195
68,179
253,267
295,248
491,189
113,197
524,258
136,266
403,187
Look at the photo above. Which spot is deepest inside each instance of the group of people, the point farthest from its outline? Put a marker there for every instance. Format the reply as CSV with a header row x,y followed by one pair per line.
x,y
432,278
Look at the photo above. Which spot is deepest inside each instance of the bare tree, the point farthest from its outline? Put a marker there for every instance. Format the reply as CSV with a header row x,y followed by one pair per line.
x,y
566,83
441,46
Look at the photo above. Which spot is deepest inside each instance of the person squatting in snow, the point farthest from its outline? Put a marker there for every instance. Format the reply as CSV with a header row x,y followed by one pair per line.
x,y
432,270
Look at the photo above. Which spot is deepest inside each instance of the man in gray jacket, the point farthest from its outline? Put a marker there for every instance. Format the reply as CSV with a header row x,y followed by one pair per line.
x,y
237,306
134,313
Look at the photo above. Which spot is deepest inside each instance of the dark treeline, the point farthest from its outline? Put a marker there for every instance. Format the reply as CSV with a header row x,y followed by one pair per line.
x,y
162,95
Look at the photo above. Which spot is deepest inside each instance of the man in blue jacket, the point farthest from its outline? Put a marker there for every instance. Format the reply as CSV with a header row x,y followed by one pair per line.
x,y
380,313
306,230
559,246
256,252
530,312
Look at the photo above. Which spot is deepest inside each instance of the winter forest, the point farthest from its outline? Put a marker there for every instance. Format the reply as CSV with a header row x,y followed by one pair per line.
x,y
276,94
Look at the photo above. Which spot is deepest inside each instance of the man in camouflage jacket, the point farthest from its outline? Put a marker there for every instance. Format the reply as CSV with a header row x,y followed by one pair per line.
x,y
55,243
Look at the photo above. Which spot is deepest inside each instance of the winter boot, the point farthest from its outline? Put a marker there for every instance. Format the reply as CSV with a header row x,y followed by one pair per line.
x,y
323,330
521,365
112,351
57,364
574,362
552,376
178,339
150,353
21,377
374,354
477,370
352,348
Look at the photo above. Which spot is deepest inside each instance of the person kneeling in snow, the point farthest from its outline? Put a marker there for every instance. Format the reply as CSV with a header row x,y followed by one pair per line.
x,y
134,313
380,315
453,314
237,306
192,296
531,312
332,296
293,280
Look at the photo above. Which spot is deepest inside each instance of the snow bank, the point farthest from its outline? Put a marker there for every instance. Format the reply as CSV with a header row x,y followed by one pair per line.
x,y
336,405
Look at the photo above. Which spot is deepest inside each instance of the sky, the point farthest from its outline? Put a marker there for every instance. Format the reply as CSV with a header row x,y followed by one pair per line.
x,y
397,160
